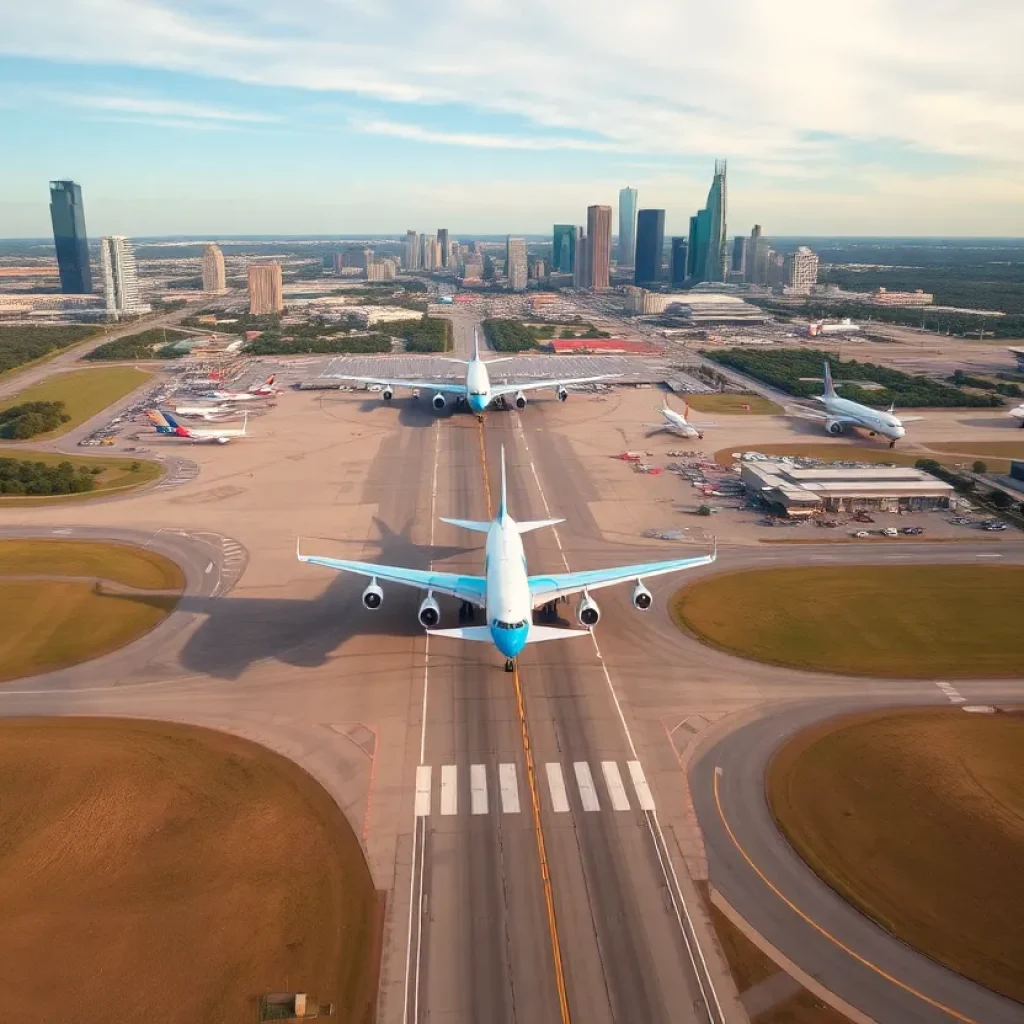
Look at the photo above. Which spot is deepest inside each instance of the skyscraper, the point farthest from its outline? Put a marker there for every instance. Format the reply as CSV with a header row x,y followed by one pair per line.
x,y
266,294
677,266
739,255
627,227
758,256
412,250
716,263
120,277
801,270
563,249
214,279
697,246
650,246
69,239
599,246
446,248
515,263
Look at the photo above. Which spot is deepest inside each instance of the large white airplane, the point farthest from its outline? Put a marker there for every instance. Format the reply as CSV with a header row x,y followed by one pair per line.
x,y
506,592
165,423
1018,413
477,391
264,390
840,413
676,423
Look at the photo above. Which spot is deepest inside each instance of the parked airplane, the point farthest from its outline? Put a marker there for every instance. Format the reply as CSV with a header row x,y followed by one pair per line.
x,y
676,423
477,390
165,423
840,413
205,412
264,390
506,592
1018,413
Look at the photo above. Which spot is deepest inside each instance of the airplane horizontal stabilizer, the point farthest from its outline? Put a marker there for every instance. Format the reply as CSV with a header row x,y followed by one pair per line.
x,y
539,633
537,524
468,524
482,633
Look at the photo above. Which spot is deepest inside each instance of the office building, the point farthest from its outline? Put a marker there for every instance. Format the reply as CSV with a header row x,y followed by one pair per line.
x,y
266,294
381,270
697,245
69,238
708,248
758,253
801,271
338,262
515,263
599,246
455,255
627,227
677,263
538,270
367,259
120,277
884,297
739,256
563,249
776,269
426,253
214,279
581,264
412,251
650,246
445,246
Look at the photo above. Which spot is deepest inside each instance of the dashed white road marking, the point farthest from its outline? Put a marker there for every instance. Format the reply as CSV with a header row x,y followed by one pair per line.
x,y
585,781
951,692
643,791
422,790
509,788
556,787
478,789
449,789
616,790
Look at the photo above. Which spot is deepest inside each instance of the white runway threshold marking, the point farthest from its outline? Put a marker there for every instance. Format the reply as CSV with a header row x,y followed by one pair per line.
x,y
509,788
951,692
556,786
616,790
478,789
643,791
449,789
585,781
423,790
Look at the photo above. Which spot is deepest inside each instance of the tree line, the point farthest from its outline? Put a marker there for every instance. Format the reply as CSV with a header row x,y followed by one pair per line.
x,y
20,422
428,334
785,370
273,344
22,476
155,343
20,345
508,335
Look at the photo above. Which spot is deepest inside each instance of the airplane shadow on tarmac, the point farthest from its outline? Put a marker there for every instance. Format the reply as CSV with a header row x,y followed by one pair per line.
x,y
238,631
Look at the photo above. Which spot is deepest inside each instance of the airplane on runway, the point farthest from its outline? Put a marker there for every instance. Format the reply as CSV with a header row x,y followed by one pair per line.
x,y
477,391
840,413
676,423
1018,413
506,592
166,424
264,390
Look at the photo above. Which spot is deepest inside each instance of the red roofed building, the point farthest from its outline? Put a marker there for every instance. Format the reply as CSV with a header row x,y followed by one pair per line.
x,y
602,346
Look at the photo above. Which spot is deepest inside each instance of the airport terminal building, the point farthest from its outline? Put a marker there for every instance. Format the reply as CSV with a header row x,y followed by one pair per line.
x,y
791,491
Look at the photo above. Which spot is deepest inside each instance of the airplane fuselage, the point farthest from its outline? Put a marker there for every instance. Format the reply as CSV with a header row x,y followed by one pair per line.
x,y
875,420
478,385
677,422
509,608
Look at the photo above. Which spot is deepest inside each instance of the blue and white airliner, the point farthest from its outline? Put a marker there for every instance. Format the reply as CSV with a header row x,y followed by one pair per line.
x,y
506,592
477,392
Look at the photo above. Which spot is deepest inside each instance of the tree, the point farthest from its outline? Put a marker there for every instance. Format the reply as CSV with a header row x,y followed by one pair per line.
x,y
927,465
1000,499
979,467
704,510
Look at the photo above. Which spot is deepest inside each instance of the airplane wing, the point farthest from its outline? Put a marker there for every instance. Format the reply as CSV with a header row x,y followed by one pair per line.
x,y
806,412
911,419
497,390
448,387
465,588
547,588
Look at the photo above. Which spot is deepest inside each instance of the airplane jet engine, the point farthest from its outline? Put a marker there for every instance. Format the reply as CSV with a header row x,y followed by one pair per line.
x,y
588,611
373,597
520,401
387,394
439,401
562,393
641,598
834,427
429,613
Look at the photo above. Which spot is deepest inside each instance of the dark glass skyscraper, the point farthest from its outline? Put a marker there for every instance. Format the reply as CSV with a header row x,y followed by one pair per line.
x,y
69,238
677,266
650,246
709,253
563,248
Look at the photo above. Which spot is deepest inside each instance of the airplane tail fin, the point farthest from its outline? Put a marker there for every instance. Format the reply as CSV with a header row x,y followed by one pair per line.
x,y
537,524
830,391
468,524
476,343
156,418
503,506
170,420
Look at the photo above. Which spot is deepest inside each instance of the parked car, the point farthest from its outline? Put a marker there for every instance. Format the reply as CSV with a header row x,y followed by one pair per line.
x,y
891,531
862,533
994,526
913,531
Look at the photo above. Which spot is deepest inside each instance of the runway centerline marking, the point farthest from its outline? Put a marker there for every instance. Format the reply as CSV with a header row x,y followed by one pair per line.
x,y
668,870
818,928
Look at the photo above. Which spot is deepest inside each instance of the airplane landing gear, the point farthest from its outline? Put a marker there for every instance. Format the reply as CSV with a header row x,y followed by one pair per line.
x,y
466,612
892,444
510,664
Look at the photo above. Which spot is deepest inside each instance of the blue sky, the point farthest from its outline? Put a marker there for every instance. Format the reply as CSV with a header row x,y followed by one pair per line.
x,y
333,116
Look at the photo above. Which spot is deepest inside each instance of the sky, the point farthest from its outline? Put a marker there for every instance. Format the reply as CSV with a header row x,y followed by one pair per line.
x,y
227,117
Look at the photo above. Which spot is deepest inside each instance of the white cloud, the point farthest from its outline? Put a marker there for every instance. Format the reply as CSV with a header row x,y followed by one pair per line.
x,y
417,133
159,108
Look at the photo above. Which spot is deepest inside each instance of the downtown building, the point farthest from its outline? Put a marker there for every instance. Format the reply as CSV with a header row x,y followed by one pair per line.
x,y
800,271
599,247
708,254
563,249
445,247
650,247
381,270
67,214
515,263
677,261
214,278
120,277
266,290
581,264
627,227
411,255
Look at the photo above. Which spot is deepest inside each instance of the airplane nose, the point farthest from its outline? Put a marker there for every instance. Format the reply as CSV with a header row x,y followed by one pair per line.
x,y
476,403
510,641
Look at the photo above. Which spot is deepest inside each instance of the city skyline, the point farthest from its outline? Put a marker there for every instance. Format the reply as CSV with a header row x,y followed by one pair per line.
x,y
918,134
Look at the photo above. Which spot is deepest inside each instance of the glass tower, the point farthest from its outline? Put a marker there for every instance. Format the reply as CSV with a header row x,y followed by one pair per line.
x,y
716,254
627,227
650,246
677,266
563,248
69,239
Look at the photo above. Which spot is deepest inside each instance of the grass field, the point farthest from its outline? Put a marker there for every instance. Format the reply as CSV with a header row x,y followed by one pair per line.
x,y
122,563
999,450
160,873
917,818
730,404
849,452
117,474
83,392
898,621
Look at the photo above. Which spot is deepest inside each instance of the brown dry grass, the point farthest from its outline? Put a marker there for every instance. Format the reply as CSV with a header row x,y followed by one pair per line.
x,y
122,563
917,818
164,874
